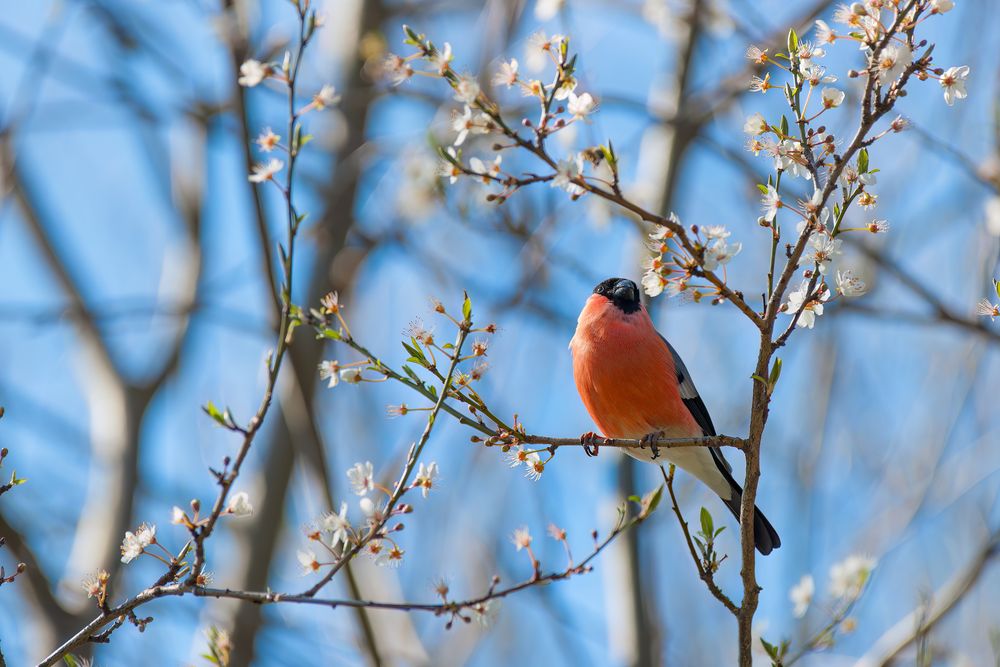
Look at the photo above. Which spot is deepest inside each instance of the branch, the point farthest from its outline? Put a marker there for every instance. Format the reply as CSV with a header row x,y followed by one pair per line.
x,y
704,574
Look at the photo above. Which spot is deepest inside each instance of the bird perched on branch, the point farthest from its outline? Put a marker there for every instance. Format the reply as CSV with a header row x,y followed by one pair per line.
x,y
635,385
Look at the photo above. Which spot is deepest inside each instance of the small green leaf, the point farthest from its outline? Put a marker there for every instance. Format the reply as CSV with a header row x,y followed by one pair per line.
x,y
784,125
863,161
332,334
792,42
707,527
214,413
634,499
652,500
762,187
467,308
996,286
775,373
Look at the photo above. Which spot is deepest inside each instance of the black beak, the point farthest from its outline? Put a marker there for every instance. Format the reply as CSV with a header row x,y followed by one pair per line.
x,y
622,292
626,291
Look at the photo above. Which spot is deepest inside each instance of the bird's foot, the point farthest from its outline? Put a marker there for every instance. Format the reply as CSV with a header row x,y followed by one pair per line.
x,y
649,440
590,444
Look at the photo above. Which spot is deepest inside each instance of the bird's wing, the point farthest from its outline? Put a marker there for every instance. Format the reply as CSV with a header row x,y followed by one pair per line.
x,y
696,406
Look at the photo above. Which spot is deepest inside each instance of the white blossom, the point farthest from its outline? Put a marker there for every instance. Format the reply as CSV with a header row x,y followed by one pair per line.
x,y
134,543
307,559
326,97
719,252
892,61
579,106
848,577
566,171
507,74
486,612
239,504
653,283
487,170
467,123
824,249
440,61
267,140
941,6
533,462
832,98
337,525
252,72
849,285
350,375
177,515
811,309
426,477
521,538
397,69
801,595
789,156
953,82
265,172
467,89
986,309
449,169
770,203
361,477
755,125
823,33
330,370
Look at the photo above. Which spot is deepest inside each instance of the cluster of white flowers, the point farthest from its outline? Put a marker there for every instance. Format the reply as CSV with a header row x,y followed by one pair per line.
x,y
664,273
332,371
532,461
252,74
847,582
334,531
561,103
135,543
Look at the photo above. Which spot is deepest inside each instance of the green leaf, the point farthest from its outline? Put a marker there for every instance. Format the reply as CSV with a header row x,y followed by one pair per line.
x,y
996,286
332,334
792,42
214,413
775,373
634,499
863,161
652,500
305,139
707,527
467,308
762,187
771,649
784,125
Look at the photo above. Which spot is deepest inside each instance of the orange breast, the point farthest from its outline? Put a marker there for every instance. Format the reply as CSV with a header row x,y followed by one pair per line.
x,y
625,374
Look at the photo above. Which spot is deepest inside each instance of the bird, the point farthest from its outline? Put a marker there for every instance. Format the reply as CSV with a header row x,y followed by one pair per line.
x,y
635,385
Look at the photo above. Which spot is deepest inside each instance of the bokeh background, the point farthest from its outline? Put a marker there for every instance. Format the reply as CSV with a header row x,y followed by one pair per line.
x,y
135,286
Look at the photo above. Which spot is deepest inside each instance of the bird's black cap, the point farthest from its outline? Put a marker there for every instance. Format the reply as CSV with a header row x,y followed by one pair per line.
x,y
620,291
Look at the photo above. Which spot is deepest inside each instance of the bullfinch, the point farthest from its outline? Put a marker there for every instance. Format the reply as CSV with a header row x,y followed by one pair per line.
x,y
635,385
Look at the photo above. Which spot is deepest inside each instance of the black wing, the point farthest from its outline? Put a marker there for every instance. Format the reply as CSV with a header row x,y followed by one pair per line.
x,y
696,406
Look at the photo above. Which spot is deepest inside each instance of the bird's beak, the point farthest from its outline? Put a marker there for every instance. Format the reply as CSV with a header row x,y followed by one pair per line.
x,y
625,291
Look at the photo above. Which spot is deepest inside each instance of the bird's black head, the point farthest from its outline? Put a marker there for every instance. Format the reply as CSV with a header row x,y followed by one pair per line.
x,y
620,291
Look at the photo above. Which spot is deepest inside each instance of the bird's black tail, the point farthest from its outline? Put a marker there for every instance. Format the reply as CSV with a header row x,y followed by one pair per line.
x,y
765,537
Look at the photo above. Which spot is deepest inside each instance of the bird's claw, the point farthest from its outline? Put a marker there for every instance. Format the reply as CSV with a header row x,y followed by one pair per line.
x,y
590,444
649,440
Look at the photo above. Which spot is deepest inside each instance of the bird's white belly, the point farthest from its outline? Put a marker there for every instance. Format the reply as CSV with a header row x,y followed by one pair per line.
x,y
696,461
